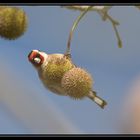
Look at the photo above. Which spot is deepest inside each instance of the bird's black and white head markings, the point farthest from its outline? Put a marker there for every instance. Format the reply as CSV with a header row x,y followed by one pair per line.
x,y
37,57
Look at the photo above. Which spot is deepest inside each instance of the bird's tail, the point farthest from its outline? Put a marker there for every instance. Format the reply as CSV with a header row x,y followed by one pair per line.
x,y
99,101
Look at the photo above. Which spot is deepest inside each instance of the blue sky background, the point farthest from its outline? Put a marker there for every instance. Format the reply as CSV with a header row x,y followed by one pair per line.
x,y
94,47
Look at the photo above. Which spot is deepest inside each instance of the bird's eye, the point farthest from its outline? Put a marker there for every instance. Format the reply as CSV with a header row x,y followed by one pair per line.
x,y
37,60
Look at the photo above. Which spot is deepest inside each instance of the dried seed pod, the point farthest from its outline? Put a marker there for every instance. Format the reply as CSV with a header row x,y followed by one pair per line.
x,y
56,68
13,22
77,83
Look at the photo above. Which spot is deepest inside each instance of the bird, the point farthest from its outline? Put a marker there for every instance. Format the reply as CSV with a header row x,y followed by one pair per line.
x,y
61,76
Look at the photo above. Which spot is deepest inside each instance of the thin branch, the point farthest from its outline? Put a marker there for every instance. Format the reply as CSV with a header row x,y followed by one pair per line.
x,y
67,53
83,8
114,24
103,11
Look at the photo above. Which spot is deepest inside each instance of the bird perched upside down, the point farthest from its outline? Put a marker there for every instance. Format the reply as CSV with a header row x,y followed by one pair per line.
x,y
59,75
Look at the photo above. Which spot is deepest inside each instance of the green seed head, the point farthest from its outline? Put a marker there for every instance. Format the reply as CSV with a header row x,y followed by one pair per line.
x,y
13,22
56,68
77,83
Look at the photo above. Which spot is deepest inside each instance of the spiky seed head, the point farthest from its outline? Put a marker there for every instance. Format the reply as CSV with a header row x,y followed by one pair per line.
x,y
13,22
56,68
77,83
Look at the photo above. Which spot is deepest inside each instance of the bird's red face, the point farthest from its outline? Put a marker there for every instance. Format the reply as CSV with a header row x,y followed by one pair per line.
x,y
36,58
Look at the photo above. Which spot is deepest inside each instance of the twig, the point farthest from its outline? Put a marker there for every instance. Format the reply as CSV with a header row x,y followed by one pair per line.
x,y
103,11
67,53
114,24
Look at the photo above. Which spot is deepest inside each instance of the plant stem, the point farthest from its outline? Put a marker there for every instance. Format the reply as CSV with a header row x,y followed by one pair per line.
x,y
114,24
73,28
